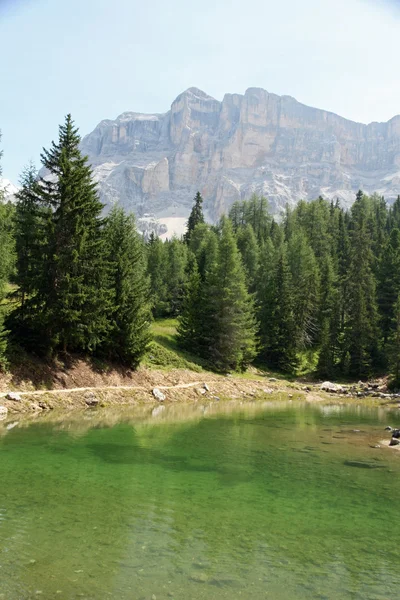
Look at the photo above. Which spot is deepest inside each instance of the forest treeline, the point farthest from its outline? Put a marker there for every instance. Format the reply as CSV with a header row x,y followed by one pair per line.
x,y
322,282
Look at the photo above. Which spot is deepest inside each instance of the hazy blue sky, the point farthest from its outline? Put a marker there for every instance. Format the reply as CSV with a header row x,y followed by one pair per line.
x,y
99,58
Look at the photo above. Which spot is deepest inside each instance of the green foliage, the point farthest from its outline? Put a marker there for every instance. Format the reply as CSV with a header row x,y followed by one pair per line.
x,y
394,347
129,312
73,295
195,218
361,326
278,327
223,328
318,291
7,259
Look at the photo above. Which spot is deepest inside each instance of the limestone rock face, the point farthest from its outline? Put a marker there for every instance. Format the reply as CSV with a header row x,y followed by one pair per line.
x,y
256,142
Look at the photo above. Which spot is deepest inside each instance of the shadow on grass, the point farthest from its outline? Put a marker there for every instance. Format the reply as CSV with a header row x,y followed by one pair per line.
x,y
178,355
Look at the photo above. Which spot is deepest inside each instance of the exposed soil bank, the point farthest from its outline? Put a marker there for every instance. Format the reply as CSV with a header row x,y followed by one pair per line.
x,y
80,385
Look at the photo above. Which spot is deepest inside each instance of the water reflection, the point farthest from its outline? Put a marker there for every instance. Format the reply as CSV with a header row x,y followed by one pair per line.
x,y
248,500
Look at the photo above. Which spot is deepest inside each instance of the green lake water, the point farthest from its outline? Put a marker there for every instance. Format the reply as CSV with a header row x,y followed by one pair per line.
x,y
227,501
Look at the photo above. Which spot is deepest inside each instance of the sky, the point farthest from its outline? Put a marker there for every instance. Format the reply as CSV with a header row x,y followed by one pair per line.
x,y
99,58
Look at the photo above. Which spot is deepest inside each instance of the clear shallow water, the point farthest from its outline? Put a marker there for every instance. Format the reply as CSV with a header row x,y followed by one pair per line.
x,y
257,502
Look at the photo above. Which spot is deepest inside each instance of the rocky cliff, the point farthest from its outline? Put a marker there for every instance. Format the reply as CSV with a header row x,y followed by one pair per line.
x,y
256,142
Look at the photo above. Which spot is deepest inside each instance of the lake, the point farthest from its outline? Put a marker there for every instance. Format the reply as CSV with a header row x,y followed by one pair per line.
x,y
255,501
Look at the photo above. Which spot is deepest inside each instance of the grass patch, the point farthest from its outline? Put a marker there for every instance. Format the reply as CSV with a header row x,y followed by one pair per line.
x,y
164,351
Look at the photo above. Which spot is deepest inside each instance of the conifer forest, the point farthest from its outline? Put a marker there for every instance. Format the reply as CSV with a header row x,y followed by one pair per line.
x,y
320,283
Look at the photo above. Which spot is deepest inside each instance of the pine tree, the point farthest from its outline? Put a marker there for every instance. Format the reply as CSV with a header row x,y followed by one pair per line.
x,y
176,275
130,312
6,268
30,233
196,217
190,328
156,269
394,347
248,248
362,333
229,326
389,282
329,320
305,289
278,331
74,293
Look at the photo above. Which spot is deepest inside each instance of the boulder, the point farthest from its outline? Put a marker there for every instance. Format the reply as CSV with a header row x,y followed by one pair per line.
x,y
90,399
394,442
14,396
332,388
206,387
158,395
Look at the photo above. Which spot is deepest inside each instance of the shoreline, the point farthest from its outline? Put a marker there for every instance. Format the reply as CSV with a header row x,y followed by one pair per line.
x,y
179,386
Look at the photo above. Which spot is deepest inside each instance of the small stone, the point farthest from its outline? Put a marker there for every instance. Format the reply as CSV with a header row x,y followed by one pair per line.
x,y
394,442
32,561
205,386
272,379
158,395
90,399
154,597
13,396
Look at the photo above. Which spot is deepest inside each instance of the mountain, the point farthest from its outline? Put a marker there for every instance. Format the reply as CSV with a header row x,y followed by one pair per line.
x,y
8,188
256,142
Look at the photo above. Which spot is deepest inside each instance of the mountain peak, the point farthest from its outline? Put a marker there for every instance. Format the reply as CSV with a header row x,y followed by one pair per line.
x,y
256,142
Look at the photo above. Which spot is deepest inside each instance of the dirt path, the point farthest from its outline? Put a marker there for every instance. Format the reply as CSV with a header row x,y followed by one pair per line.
x,y
101,388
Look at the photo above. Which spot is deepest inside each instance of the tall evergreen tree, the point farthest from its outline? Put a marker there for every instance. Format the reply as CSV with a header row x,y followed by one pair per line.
x,y
31,218
176,275
394,347
249,251
227,335
278,331
389,282
195,218
362,333
74,293
130,312
157,260
305,289
6,267
191,324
